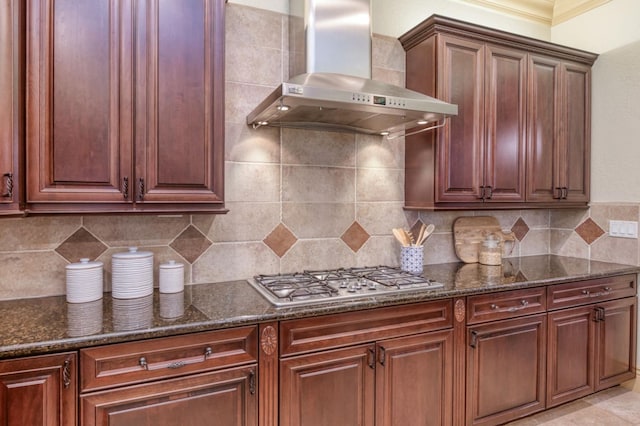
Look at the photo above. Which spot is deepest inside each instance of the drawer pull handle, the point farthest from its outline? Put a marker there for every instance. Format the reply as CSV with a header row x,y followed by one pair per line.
x,y
371,358
524,304
474,339
605,292
175,364
8,178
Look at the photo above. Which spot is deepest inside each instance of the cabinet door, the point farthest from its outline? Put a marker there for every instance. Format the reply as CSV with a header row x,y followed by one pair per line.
x,y
39,391
79,95
505,125
180,101
460,146
543,130
616,342
328,388
575,157
570,354
224,398
414,380
12,13
505,369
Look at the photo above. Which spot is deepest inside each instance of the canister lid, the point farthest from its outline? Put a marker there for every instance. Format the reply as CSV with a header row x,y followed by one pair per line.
x,y
133,253
172,264
84,263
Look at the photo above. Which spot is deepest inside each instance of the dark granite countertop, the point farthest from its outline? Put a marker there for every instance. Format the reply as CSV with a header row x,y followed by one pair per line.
x,y
50,324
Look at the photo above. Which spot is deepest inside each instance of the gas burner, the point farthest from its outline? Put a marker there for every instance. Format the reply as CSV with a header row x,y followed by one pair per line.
x,y
322,286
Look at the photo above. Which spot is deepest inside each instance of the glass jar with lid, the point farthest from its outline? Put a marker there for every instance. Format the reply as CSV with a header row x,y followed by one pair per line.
x,y
490,251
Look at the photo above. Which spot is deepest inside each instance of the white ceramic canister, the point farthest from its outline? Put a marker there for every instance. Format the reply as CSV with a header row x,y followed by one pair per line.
x,y
131,274
171,277
84,281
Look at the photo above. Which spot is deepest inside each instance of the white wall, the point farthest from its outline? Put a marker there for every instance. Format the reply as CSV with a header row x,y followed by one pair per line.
x,y
280,6
613,31
394,18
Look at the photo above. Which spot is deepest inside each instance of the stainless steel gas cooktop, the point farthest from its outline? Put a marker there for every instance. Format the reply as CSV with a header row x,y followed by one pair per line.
x,y
312,287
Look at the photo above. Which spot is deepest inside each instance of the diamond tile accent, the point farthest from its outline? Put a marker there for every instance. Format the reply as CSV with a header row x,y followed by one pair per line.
x,y
280,240
80,245
589,231
355,236
520,229
190,244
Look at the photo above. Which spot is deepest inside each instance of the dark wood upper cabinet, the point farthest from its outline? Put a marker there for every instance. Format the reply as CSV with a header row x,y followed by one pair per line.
x,y
12,14
522,133
125,104
559,131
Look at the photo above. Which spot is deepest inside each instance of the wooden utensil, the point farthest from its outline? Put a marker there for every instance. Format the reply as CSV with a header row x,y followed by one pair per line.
x,y
401,236
428,230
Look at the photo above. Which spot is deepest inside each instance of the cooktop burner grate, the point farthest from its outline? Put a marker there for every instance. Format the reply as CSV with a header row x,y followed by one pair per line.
x,y
321,286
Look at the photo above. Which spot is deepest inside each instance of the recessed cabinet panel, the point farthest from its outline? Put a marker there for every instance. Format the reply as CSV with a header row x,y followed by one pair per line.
x,y
77,98
543,116
180,119
461,149
12,13
578,132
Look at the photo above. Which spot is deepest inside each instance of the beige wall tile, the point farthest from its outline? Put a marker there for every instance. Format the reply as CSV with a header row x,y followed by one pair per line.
x,y
387,52
535,242
318,184
250,182
242,98
603,213
567,218
378,218
443,221
311,147
32,274
36,233
252,64
535,218
439,248
244,222
132,230
254,27
379,250
378,152
245,144
617,250
380,185
568,243
234,261
397,78
506,218
318,254
318,220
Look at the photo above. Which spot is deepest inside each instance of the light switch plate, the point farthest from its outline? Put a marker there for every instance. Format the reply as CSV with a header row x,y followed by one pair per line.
x,y
623,229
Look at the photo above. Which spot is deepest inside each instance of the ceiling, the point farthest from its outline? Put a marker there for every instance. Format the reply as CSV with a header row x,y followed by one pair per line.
x,y
550,12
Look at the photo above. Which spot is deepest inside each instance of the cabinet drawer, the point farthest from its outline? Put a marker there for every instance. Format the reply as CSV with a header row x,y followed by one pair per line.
x,y
506,304
590,291
142,361
312,334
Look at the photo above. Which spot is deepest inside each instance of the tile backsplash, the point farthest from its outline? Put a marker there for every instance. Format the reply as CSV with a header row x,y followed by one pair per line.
x,y
297,199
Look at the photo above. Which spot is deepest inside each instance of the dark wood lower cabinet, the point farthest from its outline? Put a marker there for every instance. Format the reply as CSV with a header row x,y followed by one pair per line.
x,y
328,388
223,398
39,391
414,380
406,381
505,369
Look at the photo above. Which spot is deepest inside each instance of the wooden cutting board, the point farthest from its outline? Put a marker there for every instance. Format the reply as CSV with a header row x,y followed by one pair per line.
x,y
468,233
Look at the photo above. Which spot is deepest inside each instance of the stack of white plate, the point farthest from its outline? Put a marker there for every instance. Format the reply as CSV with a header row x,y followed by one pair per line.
x,y
132,314
84,281
171,277
131,274
84,319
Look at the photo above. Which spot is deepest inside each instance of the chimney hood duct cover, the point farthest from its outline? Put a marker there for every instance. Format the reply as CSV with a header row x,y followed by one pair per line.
x,y
335,93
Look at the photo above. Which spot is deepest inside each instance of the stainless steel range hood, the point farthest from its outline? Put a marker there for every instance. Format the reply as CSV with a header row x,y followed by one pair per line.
x,y
330,57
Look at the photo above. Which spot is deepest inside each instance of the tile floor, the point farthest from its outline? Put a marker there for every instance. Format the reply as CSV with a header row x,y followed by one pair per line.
x,y
617,406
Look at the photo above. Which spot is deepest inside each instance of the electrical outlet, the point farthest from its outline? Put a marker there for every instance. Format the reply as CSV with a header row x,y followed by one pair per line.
x,y
623,229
